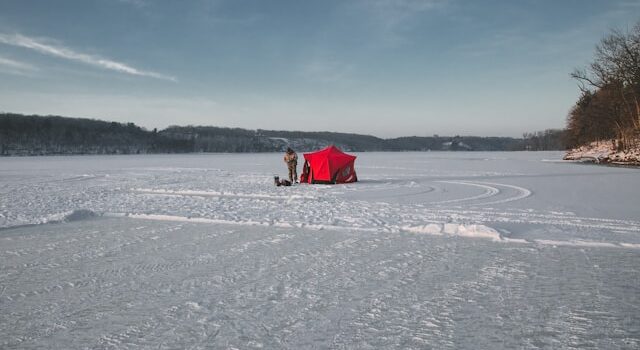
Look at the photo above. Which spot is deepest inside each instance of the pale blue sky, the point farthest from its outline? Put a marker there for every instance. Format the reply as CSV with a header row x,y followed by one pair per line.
x,y
382,67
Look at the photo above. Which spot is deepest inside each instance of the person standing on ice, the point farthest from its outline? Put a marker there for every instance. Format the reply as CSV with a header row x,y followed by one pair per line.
x,y
291,158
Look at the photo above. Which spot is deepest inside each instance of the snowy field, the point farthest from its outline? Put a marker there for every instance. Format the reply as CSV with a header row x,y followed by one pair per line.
x,y
429,250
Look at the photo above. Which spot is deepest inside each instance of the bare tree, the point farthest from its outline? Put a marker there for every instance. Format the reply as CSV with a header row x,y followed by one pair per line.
x,y
611,89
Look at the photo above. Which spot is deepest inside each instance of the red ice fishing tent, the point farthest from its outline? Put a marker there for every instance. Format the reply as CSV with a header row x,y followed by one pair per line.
x,y
328,166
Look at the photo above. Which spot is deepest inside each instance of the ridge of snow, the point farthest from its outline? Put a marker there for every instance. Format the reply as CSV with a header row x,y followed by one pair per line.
x,y
469,231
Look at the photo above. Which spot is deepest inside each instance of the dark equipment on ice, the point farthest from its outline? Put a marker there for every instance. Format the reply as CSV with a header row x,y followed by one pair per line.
x,y
279,182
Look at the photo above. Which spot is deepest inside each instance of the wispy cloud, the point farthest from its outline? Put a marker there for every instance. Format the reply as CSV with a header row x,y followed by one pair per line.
x,y
7,62
391,16
8,65
66,53
326,70
136,3
392,12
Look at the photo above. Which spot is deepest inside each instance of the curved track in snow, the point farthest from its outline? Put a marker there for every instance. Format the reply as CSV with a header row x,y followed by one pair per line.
x,y
492,189
489,192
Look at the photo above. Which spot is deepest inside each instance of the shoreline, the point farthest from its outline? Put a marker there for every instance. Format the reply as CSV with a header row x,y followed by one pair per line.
x,y
591,162
604,152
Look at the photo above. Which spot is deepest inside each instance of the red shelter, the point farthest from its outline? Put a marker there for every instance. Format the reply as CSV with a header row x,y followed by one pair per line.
x,y
328,166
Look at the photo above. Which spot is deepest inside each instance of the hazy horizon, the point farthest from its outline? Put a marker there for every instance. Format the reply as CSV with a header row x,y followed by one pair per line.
x,y
386,68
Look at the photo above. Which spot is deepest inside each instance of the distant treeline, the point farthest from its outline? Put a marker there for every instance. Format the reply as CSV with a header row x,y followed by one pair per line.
x,y
43,135
609,106
35,135
548,140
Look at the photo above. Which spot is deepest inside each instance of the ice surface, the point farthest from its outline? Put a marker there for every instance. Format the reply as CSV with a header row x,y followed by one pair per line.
x,y
428,250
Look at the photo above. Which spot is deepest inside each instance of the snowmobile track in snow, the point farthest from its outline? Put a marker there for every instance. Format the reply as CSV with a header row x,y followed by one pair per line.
x,y
491,190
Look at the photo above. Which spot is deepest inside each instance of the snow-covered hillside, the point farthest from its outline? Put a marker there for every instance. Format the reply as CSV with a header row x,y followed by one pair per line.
x,y
428,250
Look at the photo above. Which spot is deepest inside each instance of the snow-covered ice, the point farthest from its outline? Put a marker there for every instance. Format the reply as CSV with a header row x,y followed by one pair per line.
x,y
428,250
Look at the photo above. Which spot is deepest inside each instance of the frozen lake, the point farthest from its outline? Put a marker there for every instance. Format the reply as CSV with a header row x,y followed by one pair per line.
x,y
429,250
